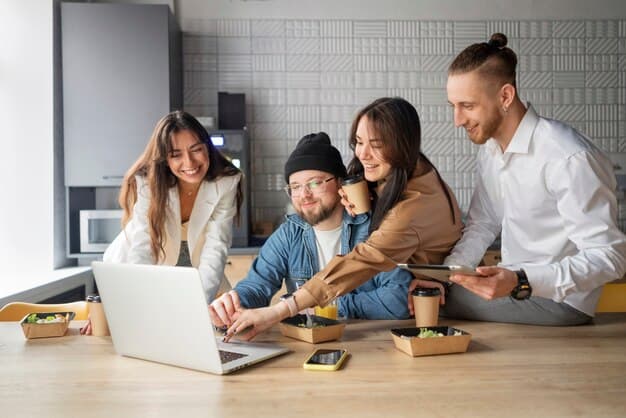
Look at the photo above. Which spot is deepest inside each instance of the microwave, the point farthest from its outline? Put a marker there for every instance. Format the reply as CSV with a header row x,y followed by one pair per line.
x,y
98,228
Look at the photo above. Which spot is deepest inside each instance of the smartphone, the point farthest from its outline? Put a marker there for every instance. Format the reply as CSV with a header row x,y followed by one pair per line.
x,y
325,359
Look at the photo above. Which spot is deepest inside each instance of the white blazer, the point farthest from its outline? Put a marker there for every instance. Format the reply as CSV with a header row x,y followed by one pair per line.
x,y
209,234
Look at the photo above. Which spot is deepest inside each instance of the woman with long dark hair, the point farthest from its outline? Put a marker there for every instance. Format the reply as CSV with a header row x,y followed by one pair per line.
x,y
415,218
179,200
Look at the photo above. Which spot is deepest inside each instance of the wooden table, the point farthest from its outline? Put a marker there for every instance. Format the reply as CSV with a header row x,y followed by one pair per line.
x,y
508,371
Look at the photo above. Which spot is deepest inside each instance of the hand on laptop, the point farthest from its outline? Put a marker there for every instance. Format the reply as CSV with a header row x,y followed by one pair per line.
x,y
225,309
86,330
251,322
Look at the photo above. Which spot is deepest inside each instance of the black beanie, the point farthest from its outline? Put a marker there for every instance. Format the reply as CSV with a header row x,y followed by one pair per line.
x,y
314,152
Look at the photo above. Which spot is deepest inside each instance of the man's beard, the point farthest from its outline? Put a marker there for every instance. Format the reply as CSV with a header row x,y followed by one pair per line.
x,y
313,218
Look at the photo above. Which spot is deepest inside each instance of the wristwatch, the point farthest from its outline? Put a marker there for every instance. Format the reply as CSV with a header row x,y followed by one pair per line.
x,y
523,290
290,300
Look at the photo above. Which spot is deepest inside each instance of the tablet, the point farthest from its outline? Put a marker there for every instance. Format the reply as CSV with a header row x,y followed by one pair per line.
x,y
439,272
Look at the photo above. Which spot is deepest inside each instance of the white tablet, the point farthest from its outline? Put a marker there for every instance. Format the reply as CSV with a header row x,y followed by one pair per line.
x,y
439,272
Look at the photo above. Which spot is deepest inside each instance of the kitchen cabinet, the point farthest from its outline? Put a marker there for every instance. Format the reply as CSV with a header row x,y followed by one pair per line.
x,y
121,74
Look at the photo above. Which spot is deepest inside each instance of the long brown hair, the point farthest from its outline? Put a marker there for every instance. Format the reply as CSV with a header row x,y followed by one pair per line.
x,y
152,166
397,126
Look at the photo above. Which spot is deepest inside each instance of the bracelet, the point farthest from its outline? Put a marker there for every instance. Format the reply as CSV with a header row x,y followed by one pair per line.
x,y
291,305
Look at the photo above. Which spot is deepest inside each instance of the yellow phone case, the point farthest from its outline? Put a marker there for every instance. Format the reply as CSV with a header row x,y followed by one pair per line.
x,y
325,367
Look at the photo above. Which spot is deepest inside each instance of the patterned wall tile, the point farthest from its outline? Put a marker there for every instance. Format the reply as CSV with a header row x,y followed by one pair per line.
x,y
370,63
271,28
303,46
403,29
601,63
268,62
534,63
568,62
200,62
337,97
601,79
233,28
336,113
269,114
336,28
336,45
231,45
370,46
437,29
604,112
300,96
364,96
434,96
569,29
202,79
299,63
535,29
199,26
302,28
436,46
403,62
265,45
199,44
569,96
268,80
337,62
268,131
537,96
532,79
570,79
309,114
370,29
402,46
339,80
268,96
436,62
228,63
435,113
566,46
402,80
235,81
601,96
509,28
433,80
602,29
535,46
413,96
370,80
310,80
570,113
471,30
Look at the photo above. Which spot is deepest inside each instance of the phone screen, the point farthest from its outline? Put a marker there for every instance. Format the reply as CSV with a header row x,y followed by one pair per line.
x,y
325,357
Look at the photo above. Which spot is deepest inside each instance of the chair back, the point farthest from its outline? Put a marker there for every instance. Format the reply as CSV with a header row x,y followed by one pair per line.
x,y
15,311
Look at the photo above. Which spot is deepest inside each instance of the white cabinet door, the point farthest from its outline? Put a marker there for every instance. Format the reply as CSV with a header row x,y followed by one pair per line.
x,y
116,86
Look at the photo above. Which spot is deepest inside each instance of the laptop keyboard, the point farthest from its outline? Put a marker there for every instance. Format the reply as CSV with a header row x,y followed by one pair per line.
x,y
228,356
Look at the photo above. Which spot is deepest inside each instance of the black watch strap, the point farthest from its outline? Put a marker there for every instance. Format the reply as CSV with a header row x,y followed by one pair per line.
x,y
523,290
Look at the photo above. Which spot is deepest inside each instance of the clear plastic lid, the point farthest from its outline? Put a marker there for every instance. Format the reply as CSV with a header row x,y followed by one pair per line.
x,y
426,291
94,298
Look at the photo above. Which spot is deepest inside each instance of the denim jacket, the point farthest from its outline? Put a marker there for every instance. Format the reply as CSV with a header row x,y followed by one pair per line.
x,y
290,254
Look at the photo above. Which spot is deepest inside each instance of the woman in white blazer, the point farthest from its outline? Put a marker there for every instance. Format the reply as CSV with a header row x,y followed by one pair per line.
x,y
179,200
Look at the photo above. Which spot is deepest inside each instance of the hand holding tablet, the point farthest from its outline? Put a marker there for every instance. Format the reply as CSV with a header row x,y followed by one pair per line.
x,y
439,272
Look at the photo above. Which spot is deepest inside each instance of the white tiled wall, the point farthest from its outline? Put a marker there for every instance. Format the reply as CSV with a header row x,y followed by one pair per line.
x,y
303,76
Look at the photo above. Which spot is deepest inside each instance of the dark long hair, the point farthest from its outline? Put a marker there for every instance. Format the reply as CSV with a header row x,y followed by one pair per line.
x,y
152,165
397,126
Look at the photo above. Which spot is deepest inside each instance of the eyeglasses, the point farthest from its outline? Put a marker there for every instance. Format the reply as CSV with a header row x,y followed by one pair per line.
x,y
314,187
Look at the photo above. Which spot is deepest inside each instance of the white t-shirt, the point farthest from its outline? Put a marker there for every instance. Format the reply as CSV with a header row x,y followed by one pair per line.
x,y
328,245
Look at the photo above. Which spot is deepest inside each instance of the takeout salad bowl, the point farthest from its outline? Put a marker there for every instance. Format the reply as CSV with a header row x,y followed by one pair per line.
x,y
453,341
323,329
46,329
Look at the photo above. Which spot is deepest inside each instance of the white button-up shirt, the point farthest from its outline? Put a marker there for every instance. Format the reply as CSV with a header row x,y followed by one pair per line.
x,y
551,194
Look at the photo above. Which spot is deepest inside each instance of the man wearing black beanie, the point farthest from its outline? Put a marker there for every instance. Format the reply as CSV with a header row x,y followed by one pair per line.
x,y
309,239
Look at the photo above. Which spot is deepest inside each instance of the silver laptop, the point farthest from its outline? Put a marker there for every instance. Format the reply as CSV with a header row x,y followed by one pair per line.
x,y
159,313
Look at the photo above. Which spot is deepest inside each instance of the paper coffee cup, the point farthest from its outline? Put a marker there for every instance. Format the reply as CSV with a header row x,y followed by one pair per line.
x,y
99,324
426,306
357,192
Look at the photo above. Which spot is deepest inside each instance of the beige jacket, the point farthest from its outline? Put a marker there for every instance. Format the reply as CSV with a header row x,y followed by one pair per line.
x,y
418,229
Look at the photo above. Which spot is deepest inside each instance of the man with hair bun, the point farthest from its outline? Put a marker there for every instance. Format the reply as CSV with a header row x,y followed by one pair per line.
x,y
545,188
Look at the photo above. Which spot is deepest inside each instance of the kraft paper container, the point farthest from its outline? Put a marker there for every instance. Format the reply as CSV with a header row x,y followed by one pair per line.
x,y
406,340
295,327
55,329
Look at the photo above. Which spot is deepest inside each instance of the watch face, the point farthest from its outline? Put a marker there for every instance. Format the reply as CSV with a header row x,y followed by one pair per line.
x,y
522,293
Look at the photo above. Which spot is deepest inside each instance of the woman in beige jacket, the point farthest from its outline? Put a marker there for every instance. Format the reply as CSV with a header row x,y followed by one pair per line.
x,y
415,219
